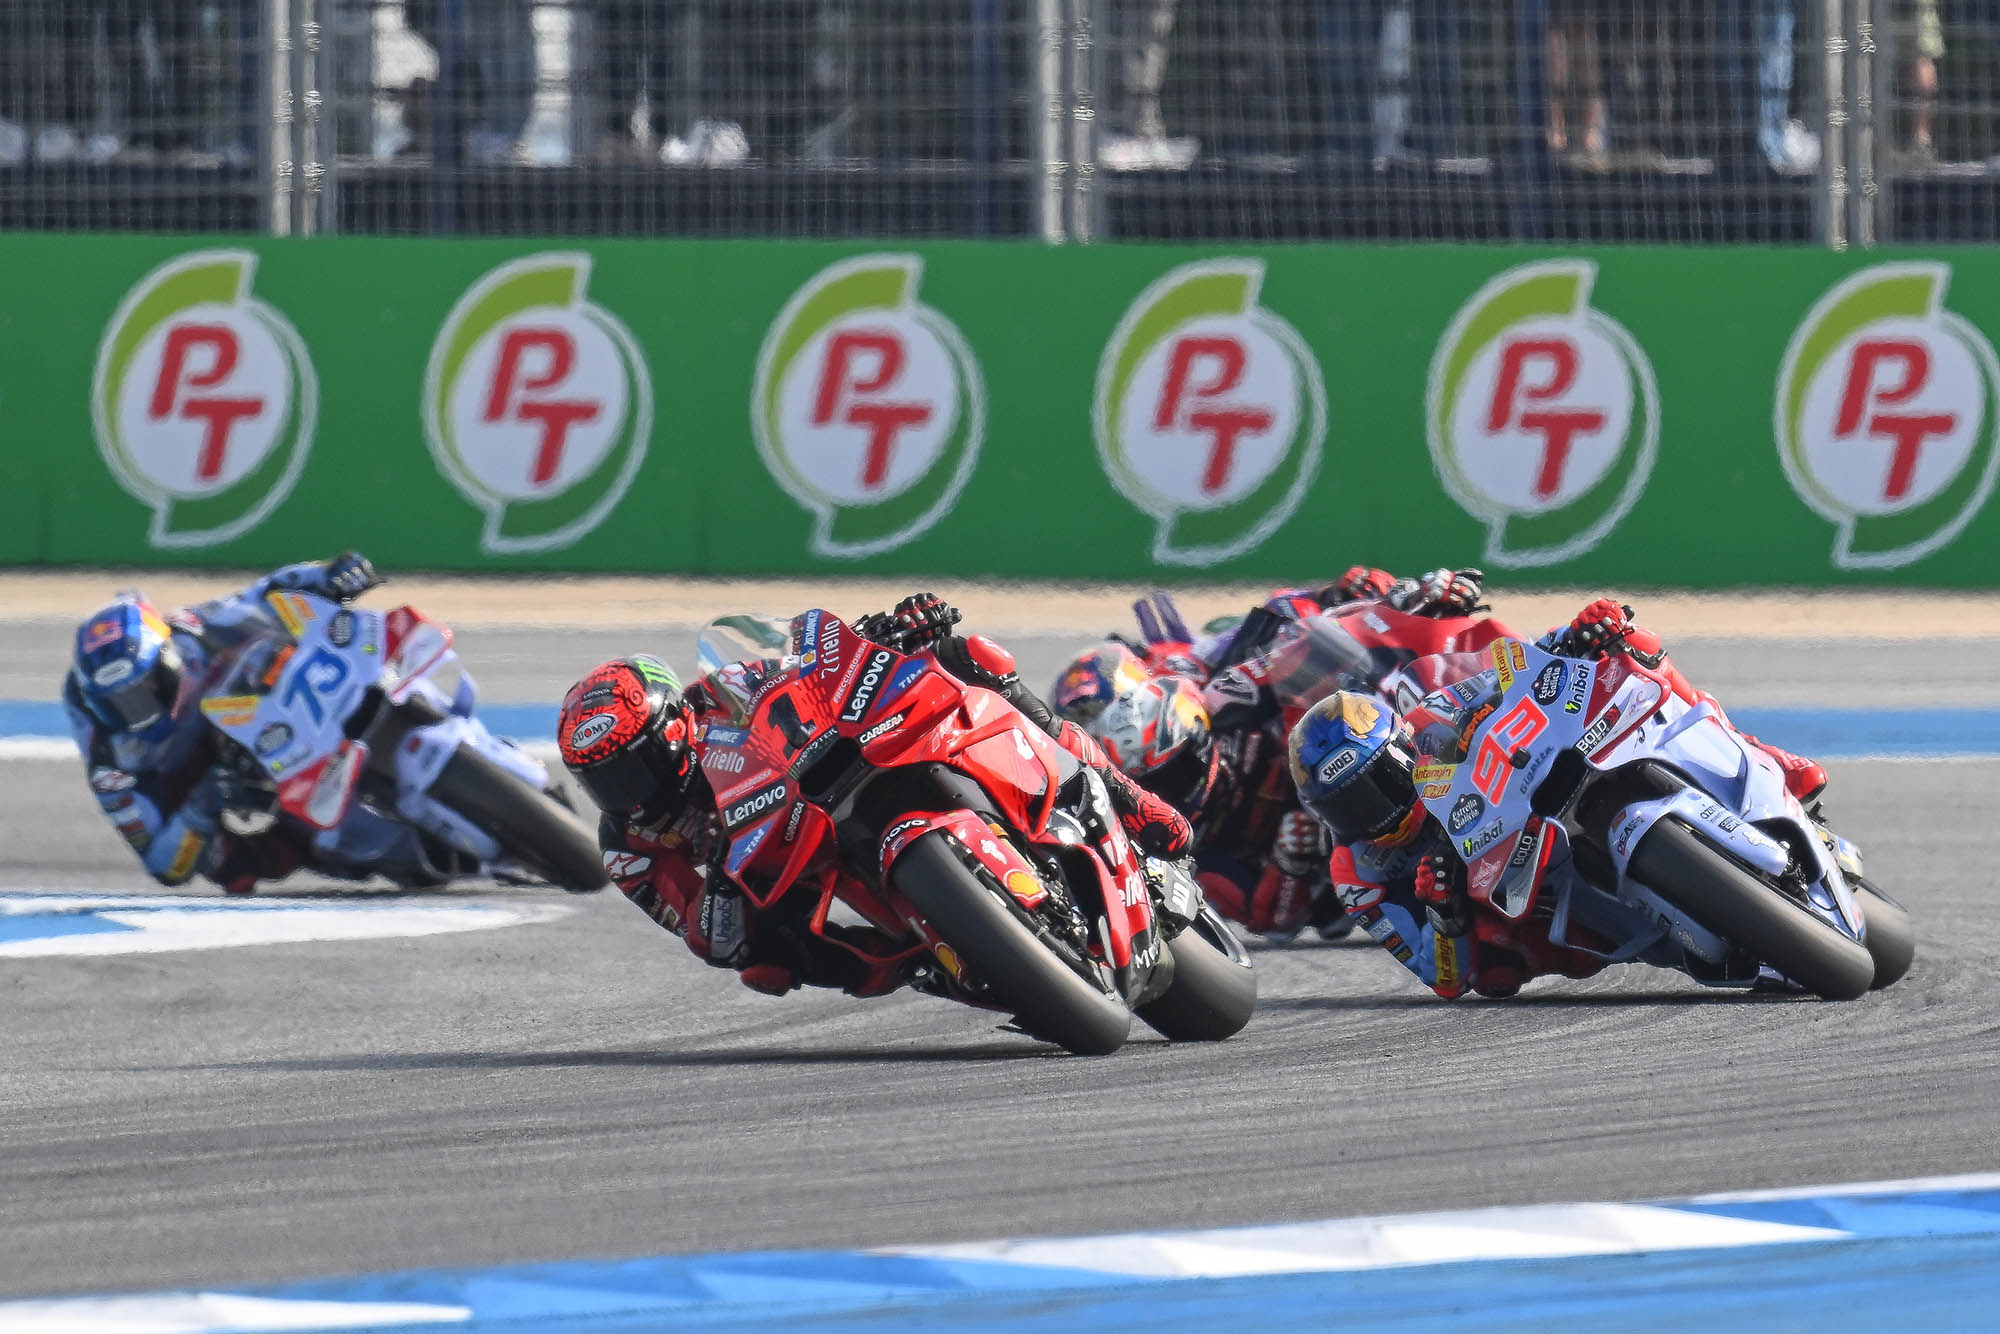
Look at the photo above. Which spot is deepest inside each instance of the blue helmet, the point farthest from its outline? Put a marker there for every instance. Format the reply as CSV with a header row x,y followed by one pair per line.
x,y
1355,767
127,669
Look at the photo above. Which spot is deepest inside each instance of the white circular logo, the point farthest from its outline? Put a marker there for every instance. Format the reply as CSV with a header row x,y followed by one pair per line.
x,y
539,403
867,407
591,730
206,400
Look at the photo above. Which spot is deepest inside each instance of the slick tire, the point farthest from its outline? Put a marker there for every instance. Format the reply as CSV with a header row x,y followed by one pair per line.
x,y
1049,997
1676,864
1891,938
530,825
1214,989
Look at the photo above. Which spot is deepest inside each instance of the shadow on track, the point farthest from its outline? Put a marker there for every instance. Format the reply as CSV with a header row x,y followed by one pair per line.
x,y
1544,1000
640,1057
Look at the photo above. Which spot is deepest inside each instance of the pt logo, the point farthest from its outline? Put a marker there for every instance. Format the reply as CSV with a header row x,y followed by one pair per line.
x,y
1542,414
204,399
868,407
537,404
1210,412
1885,415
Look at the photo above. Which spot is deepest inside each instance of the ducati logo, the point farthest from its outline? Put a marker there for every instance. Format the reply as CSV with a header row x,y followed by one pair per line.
x,y
537,404
1885,415
868,407
1542,414
204,399
1209,413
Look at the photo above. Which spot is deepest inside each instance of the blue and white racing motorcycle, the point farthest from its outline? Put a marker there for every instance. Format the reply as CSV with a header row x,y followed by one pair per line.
x,y
320,707
1647,830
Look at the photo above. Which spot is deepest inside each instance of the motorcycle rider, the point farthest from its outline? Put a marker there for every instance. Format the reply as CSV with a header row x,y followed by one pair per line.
x,y
133,698
1395,869
662,836
1217,751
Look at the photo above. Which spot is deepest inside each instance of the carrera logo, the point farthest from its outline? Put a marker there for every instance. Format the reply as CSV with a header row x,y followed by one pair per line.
x,y
1465,812
865,688
754,805
591,731
793,820
883,728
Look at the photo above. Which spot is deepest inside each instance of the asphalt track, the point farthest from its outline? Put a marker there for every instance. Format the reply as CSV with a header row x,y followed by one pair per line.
x,y
584,1088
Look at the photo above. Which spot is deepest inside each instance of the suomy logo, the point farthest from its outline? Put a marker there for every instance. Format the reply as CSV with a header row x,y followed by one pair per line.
x,y
868,407
204,399
537,404
1542,414
1209,412
1885,415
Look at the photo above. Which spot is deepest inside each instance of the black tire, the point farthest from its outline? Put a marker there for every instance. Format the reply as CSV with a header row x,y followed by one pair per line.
x,y
1048,996
1681,868
1214,988
529,824
1891,938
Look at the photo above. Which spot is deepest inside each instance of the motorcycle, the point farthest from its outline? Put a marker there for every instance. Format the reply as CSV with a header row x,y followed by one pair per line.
x,y
874,780
1635,827
319,706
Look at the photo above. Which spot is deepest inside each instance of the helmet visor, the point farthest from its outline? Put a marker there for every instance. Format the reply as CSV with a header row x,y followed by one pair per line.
x,y
138,703
1183,781
1374,800
635,776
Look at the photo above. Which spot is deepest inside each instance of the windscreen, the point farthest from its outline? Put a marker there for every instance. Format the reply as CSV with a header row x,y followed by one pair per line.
x,y
733,655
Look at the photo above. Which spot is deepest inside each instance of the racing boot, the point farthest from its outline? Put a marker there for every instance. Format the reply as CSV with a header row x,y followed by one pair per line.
x,y
1804,778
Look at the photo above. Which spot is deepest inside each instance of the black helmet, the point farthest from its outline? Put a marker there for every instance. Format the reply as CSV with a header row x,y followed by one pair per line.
x,y
625,731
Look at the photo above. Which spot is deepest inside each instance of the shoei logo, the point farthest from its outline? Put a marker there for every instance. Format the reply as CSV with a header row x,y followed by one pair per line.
x,y
868,407
1210,412
1542,414
204,399
1885,415
537,404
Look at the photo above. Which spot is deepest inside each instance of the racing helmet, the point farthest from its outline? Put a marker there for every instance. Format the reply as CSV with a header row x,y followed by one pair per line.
x,y
1355,768
1159,734
1086,687
127,669
626,733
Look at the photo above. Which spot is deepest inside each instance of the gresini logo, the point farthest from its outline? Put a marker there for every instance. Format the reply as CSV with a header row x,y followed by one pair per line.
x,y
204,399
868,407
537,404
1885,415
1209,412
1542,414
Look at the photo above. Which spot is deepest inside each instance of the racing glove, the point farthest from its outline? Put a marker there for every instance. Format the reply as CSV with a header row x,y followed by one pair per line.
x,y
1598,628
1444,593
1443,896
917,622
1360,583
349,575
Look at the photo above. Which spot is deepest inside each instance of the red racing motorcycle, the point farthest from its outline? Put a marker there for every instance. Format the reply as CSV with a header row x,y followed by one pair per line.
x,y
878,783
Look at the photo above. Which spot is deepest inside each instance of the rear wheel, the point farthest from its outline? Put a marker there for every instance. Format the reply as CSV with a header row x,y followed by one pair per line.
x,y
1214,989
1676,864
1891,938
1050,998
529,825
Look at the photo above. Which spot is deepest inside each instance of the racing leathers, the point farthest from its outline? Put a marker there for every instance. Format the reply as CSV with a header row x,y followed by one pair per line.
x,y
673,871
1407,890
167,796
1259,855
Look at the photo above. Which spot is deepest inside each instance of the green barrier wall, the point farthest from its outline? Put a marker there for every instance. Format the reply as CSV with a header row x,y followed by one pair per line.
x,y
1650,416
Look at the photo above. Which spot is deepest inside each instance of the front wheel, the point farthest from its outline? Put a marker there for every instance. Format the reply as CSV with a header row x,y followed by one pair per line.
x,y
530,825
1673,862
1051,999
1891,938
1214,989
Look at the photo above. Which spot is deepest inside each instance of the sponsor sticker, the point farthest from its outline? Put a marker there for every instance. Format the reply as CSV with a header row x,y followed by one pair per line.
x,y
1481,841
1600,727
1542,414
1209,412
883,728
757,803
1465,813
866,684
1336,764
111,673
868,406
340,630
204,399
718,735
896,835
538,405
111,780
1549,683
591,730
1885,415
273,738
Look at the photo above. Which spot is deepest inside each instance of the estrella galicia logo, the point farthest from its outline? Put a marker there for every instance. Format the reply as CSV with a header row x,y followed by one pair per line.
x,y
538,405
1542,414
1209,412
1549,684
204,399
1885,415
868,407
1465,812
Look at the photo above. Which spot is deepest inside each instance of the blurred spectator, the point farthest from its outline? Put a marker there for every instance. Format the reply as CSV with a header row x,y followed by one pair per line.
x,y
1393,66
1576,79
485,89
722,80
1135,133
1785,142
1926,49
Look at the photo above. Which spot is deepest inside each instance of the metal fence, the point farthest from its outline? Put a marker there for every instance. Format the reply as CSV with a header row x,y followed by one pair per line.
x,y
1807,121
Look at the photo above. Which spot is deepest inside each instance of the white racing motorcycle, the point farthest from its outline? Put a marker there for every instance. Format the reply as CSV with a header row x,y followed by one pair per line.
x,y
321,706
1647,830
